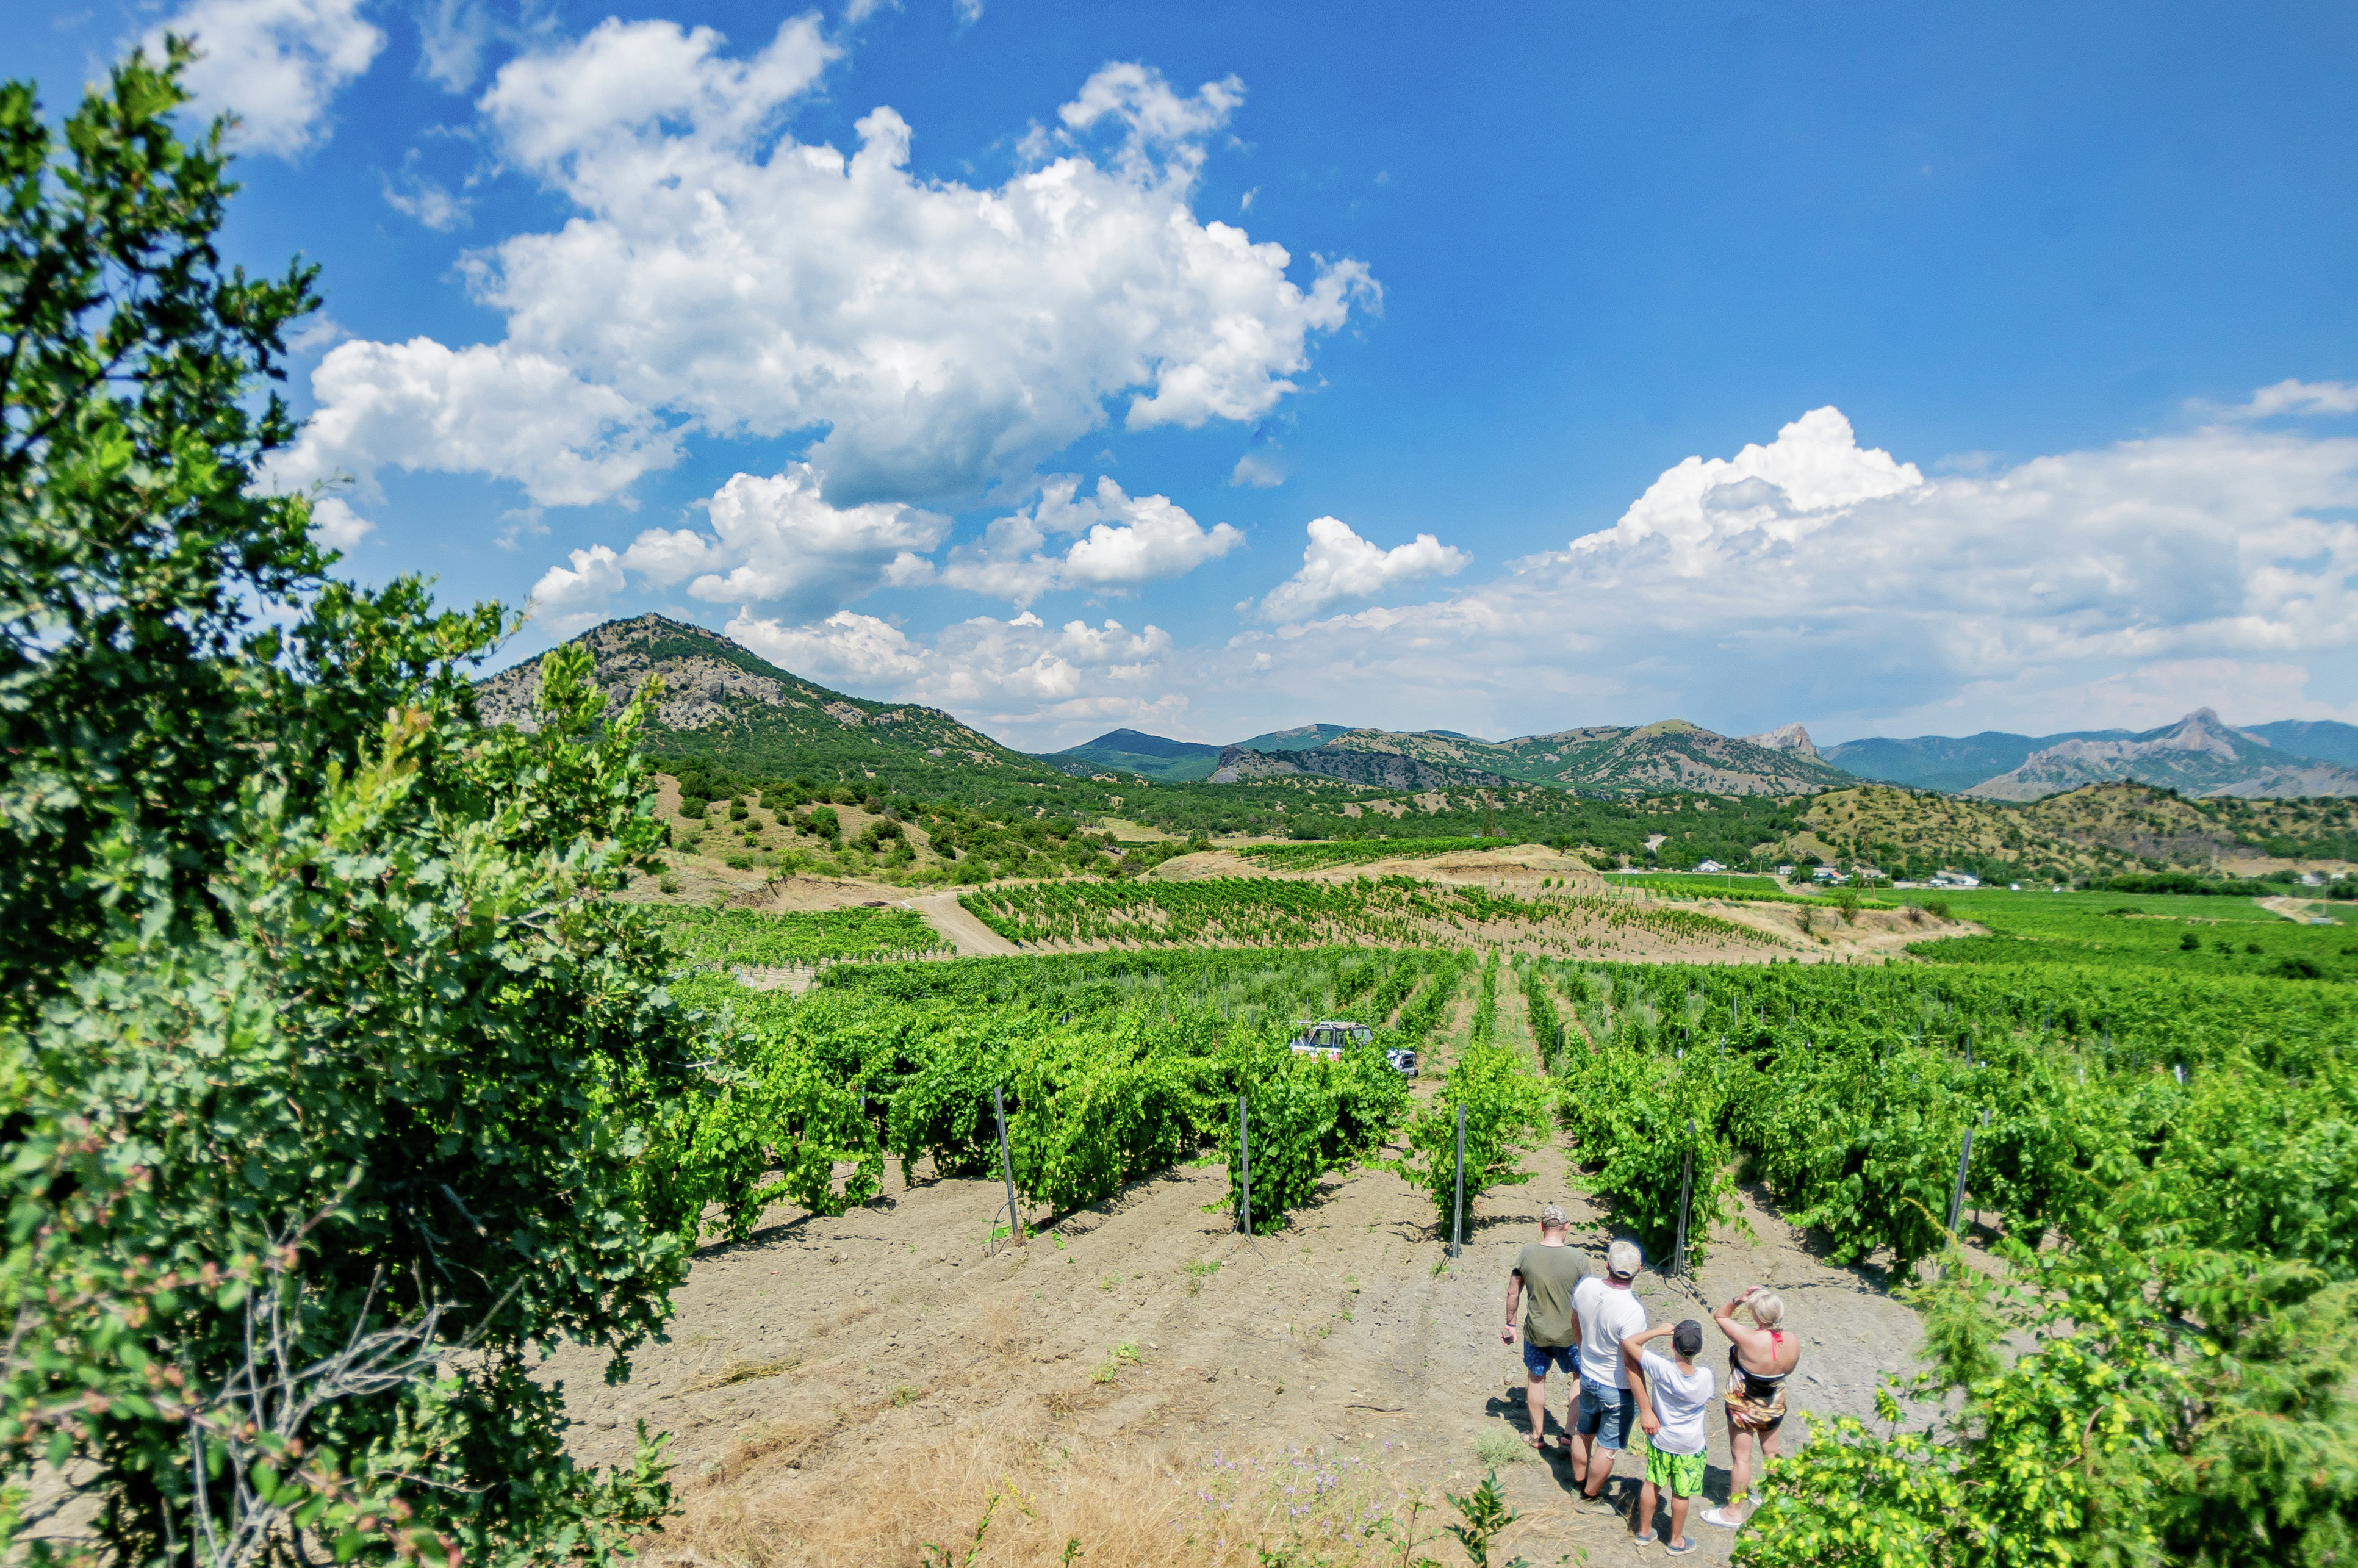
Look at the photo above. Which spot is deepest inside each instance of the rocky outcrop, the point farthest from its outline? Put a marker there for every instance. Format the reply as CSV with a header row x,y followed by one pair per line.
x,y
1237,766
1784,738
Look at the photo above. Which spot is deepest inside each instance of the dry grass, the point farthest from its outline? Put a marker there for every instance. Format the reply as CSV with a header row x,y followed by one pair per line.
x,y
1127,1505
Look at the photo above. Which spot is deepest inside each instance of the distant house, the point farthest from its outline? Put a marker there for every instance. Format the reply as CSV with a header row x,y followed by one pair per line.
x,y
1954,879
1825,875
1784,871
1707,867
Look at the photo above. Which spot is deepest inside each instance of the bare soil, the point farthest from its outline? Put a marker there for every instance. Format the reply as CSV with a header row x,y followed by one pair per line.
x,y
831,1382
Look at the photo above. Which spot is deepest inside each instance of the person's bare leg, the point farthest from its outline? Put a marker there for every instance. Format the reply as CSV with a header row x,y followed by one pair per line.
x,y
1739,1469
1581,1446
1535,1396
1647,1502
1678,1519
1600,1470
1767,1441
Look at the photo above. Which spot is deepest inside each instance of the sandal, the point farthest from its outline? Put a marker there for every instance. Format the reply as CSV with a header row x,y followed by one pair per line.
x,y
1713,1515
1682,1551
1647,1539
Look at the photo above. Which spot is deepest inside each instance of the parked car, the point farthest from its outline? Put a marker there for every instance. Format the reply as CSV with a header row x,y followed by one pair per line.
x,y
1327,1037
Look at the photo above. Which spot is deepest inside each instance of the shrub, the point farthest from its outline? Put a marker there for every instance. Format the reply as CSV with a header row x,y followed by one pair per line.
x,y
1506,1114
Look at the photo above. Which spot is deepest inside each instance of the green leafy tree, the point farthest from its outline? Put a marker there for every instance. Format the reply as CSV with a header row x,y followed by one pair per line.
x,y
334,1086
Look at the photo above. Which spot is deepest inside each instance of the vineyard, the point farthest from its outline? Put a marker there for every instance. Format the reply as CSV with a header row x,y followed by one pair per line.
x,y
2200,1121
2214,1113
1109,1070
2209,1109
1317,856
760,939
1739,890
1268,912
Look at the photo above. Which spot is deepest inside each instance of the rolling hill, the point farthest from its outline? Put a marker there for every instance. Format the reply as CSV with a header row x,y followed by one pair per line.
x,y
1183,762
726,704
1134,752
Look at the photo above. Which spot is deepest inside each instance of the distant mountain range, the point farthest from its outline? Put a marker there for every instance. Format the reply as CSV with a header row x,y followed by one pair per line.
x,y
2199,755
723,701
1606,759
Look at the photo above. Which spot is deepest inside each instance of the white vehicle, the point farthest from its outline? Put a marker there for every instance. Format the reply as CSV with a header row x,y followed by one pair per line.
x,y
1327,1037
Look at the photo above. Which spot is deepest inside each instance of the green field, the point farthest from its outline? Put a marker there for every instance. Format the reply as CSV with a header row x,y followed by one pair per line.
x,y
1720,884
2106,930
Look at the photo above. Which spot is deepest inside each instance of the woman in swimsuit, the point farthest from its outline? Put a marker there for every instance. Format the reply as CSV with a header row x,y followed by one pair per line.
x,y
1760,1358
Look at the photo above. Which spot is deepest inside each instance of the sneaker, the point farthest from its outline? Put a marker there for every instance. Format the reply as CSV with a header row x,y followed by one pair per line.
x,y
1714,1516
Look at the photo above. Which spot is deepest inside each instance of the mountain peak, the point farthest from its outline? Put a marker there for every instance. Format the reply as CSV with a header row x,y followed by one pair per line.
x,y
1785,738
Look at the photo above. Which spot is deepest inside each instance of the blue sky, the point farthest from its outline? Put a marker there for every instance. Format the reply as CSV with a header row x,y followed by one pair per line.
x,y
1966,318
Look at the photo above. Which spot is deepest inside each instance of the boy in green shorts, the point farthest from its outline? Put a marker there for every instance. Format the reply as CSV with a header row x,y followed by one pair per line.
x,y
1672,1397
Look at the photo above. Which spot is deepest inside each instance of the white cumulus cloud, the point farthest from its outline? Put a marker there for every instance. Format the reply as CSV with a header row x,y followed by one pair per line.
x,y
518,416
944,336
1337,565
1126,541
335,524
570,598
777,541
1814,579
2299,398
275,64
985,670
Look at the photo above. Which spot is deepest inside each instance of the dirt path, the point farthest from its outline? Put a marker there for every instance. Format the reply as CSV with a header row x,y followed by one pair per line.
x,y
805,1359
971,936
2300,911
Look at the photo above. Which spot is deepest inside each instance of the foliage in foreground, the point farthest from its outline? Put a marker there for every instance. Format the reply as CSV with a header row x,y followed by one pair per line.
x,y
333,1086
2184,1407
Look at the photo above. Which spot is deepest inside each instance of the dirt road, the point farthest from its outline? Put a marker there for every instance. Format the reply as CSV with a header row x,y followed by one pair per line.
x,y
971,936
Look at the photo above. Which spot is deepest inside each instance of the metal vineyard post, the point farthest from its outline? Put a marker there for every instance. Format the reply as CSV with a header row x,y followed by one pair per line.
x,y
1007,1166
1244,1160
1686,1194
1457,1225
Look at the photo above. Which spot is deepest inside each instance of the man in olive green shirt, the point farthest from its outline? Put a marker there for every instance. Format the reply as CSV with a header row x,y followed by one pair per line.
x,y
1547,1271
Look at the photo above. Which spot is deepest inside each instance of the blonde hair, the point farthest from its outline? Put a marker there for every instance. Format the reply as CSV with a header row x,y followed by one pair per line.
x,y
1768,1308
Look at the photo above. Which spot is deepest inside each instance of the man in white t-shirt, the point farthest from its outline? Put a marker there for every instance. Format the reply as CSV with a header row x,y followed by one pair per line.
x,y
1605,1312
1672,1394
